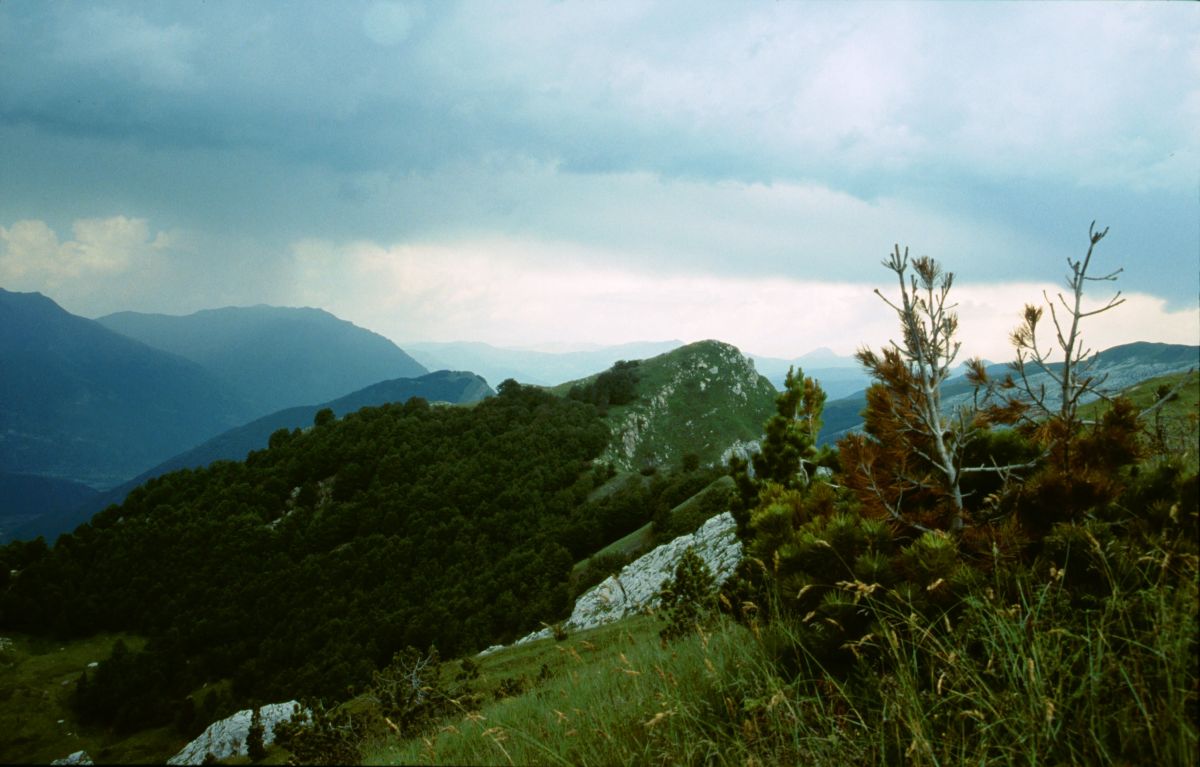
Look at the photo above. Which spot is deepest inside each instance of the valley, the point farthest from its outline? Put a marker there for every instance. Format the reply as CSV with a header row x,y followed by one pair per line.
x,y
378,522
599,383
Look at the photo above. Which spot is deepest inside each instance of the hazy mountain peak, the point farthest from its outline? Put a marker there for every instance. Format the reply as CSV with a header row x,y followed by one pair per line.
x,y
542,368
85,403
274,357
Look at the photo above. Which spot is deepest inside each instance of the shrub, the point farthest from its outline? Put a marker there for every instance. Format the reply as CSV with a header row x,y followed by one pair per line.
x,y
689,598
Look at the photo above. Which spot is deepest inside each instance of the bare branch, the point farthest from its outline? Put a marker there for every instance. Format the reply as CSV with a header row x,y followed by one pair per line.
x,y
1168,396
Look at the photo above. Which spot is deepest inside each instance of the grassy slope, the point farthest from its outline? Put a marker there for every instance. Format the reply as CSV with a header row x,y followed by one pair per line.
x,y
36,678
618,696
1175,428
996,694
699,398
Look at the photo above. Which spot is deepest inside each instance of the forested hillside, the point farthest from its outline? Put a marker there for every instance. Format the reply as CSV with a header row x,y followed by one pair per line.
x,y
303,568
235,444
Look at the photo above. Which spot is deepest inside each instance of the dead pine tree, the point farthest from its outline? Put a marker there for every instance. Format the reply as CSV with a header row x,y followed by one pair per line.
x,y
909,461
1073,378
1054,408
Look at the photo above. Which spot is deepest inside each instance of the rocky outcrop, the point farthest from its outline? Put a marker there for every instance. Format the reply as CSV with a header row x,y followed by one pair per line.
x,y
701,398
227,737
635,589
79,757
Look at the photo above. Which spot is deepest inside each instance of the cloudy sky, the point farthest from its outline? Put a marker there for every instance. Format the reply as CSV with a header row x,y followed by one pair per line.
x,y
534,173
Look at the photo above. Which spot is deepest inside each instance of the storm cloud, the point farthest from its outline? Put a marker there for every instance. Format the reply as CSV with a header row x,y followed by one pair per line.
x,y
640,144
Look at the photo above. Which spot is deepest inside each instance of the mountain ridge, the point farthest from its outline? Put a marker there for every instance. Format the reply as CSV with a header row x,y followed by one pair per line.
x,y
1124,365
273,357
541,368
81,402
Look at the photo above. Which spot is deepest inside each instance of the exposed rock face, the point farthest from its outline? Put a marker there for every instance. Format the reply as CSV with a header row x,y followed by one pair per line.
x,y
744,449
79,757
636,587
227,737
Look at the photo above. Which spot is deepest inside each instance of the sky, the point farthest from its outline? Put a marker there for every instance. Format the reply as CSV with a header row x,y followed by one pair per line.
x,y
567,173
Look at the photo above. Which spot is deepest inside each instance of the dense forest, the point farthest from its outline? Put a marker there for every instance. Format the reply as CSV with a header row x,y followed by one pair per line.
x,y
303,568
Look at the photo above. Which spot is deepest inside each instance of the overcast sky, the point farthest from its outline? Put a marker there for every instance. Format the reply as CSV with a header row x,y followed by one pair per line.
x,y
541,172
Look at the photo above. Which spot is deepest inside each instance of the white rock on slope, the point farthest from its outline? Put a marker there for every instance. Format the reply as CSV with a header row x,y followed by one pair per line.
x,y
79,757
227,737
636,587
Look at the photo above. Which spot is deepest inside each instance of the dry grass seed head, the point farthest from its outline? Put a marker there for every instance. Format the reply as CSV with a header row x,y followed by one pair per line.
x,y
661,715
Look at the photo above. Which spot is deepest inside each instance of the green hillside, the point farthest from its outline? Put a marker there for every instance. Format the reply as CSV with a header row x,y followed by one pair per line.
x,y
1173,429
300,569
235,444
702,398
315,567
853,640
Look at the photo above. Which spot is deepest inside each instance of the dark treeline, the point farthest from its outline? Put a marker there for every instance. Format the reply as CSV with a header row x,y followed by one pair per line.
x,y
304,568
615,386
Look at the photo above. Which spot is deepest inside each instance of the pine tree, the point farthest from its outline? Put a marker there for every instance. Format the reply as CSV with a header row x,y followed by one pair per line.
x,y
789,447
912,455
255,747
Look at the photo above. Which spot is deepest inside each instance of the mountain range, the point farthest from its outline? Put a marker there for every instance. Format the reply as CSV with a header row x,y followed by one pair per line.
x,y
390,525
273,357
107,404
1120,366
100,401
83,403
839,375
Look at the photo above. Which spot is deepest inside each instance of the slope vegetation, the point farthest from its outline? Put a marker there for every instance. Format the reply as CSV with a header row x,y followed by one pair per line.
x,y
704,398
303,568
1122,366
235,444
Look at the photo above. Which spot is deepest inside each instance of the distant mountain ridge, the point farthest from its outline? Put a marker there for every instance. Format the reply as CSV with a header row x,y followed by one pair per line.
x,y
526,366
1124,366
273,357
838,376
83,403
235,444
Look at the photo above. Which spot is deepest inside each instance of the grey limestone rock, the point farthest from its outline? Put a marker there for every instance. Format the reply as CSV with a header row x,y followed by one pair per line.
x,y
227,737
635,589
